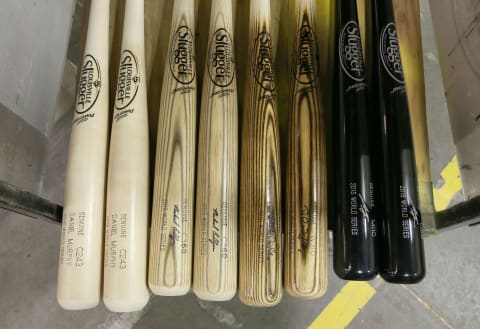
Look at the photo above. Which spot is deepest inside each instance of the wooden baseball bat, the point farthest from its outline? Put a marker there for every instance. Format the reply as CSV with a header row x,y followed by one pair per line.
x,y
355,231
306,207
402,255
407,14
260,276
170,263
215,261
80,261
125,259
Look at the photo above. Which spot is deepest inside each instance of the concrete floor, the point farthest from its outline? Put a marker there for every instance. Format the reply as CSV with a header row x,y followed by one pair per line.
x,y
449,297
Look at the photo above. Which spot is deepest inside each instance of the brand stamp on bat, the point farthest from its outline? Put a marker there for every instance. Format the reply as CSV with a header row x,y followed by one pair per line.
x,y
182,64
128,80
390,53
220,68
350,52
263,67
305,56
89,85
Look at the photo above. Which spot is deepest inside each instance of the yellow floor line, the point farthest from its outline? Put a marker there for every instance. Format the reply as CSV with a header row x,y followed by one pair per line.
x,y
344,306
355,295
451,175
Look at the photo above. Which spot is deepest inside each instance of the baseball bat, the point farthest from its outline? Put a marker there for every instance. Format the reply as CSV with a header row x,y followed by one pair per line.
x,y
81,249
126,229
402,256
215,261
407,13
355,231
170,263
260,277
306,206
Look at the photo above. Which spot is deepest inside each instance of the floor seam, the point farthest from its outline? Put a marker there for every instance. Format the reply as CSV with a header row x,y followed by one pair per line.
x,y
429,308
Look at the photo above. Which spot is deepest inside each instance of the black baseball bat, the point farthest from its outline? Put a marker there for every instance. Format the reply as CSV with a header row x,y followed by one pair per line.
x,y
355,227
402,256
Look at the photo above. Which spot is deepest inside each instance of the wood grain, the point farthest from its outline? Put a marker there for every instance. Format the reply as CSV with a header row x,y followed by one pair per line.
x,y
81,249
215,261
306,191
128,197
362,22
170,267
407,18
260,265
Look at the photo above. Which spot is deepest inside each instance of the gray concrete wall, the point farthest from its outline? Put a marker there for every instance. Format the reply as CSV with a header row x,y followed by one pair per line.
x,y
22,150
34,36
457,30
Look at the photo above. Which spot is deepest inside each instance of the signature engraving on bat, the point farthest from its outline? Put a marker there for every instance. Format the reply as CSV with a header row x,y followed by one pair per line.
x,y
215,239
308,224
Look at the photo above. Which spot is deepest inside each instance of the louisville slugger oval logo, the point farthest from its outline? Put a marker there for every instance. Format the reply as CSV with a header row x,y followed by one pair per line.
x,y
264,67
89,84
220,68
350,52
390,53
128,80
182,64
305,56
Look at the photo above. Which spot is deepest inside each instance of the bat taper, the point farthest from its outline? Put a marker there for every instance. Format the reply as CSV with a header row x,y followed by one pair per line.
x,y
215,258
170,263
306,191
260,266
81,250
127,210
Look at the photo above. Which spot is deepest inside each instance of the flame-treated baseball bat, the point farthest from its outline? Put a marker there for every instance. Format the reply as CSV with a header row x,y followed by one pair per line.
x,y
215,258
355,231
81,250
306,204
170,263
260,276
402,256
127,211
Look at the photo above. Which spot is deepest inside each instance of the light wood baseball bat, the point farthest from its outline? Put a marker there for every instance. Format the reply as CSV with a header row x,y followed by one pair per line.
x,y
407,16
127,211
306,211
260,276
170,264
80,261
215,261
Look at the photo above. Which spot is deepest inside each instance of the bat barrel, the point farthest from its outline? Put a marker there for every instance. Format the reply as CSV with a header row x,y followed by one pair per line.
x,y
215,252
402,256
80,261
260,197
306,205
127,211
171,244
355,231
